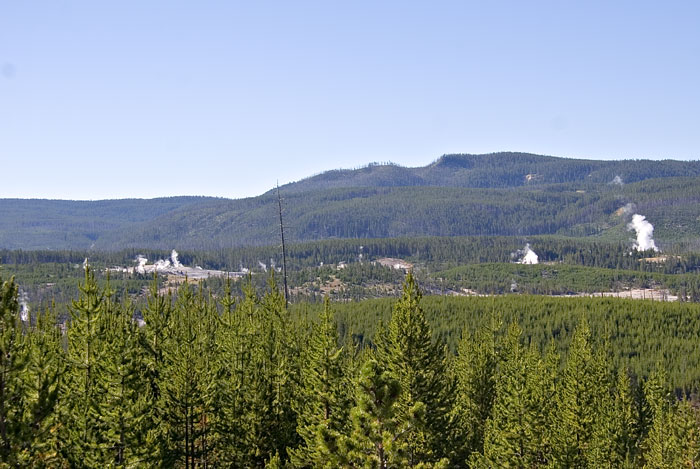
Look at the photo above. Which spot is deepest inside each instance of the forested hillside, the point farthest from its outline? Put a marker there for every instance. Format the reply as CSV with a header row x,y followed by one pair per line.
x,y
505,194
582,209
64,224
242,381
497,170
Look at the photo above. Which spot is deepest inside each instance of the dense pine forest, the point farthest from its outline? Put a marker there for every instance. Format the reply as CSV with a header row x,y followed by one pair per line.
x,y
443,265
193,379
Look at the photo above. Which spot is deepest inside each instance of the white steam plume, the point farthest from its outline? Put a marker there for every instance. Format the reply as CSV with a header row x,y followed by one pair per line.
x,y
529,256
161,265
141,268
617,181
175,260
645,233
24,307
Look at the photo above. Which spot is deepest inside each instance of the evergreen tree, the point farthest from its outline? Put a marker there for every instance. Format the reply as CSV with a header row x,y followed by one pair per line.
x,y
13,363
185,388
672,441
474,370
233,388
154,339
516,433
43,375
124,407
214,381
609,446
578,396
378,438
255,380
276,360
83,424
324,401
688,434
641,421
408,353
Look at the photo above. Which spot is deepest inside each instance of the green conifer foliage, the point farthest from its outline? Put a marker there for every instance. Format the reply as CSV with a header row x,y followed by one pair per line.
x,y
672,441
42,377
274,374
641,421
409,354
125,405
154,338
323,403
688,434
209,381
474,370
83,424
516,434
13,363
378,438
613,441
185,388
232,389
578,395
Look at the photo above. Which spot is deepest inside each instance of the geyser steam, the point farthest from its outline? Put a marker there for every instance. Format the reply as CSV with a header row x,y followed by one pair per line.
x,y
617,181
645,233
529,256
174,259
141,268
24,307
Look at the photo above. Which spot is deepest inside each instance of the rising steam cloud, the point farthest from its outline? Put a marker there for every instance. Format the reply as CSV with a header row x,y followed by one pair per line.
x,y
24,307
174,259
645,233
141,267
528,256
617,181
160,265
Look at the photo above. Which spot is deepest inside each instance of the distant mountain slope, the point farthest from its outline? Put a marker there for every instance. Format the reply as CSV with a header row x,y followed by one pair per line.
x,y
69,224
497,170
673,205
457,195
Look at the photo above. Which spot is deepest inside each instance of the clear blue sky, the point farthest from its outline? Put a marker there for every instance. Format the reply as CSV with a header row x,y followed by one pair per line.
x,y
151,98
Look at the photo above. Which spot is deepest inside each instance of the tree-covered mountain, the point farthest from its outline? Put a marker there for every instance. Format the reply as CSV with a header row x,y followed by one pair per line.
x,y
497,170
503,194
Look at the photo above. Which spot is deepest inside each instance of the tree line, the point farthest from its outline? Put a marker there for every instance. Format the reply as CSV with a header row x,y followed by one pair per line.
x,y
435,252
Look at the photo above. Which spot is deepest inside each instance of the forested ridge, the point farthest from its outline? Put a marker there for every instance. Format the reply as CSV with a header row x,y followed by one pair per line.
x,y
497,170
504,194
197,380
